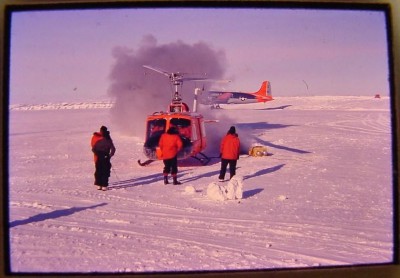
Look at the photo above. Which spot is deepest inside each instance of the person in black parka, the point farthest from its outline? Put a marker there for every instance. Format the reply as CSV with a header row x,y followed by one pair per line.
x,y
103,149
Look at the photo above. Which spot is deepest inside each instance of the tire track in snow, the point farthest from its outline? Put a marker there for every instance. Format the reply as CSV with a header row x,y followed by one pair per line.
x,y
241,255
368,124
173,215
192,236
199,234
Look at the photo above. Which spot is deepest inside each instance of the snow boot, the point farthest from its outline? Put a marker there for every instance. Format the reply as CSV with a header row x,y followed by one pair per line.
x,y
166,180
176,182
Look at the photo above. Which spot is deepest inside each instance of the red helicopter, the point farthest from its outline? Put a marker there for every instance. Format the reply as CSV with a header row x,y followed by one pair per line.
x,y
190,124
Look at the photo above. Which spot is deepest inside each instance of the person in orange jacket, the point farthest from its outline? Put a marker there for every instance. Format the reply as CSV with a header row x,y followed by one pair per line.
x,y
229,149
103,149
170,144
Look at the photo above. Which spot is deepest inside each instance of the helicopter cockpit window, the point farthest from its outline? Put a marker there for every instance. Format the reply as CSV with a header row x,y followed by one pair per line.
x,y
183,125
155,128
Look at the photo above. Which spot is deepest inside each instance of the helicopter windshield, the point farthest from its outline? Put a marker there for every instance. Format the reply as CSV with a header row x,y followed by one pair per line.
x,y
155,128
183,126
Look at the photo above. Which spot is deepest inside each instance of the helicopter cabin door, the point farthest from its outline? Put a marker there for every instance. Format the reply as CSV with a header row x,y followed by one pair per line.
x,y
198,135
183,124
202,133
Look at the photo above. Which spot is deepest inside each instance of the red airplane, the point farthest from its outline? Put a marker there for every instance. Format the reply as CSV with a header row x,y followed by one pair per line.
x,y
215,98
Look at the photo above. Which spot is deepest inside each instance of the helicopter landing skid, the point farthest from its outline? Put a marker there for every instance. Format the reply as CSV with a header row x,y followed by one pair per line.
x,y
146,162
203,159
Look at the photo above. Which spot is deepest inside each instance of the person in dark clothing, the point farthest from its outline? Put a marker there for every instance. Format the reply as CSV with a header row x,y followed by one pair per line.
x,y
103,149
170,144
229,149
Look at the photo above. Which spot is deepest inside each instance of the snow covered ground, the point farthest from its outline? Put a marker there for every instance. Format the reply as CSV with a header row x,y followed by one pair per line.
x,y
323,197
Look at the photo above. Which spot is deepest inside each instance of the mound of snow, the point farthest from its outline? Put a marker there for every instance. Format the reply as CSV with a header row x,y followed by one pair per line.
x,y
231,191
216,192
190,189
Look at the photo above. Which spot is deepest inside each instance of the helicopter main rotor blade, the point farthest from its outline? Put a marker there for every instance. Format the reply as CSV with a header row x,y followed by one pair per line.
x,y
203,79
158,70
178,77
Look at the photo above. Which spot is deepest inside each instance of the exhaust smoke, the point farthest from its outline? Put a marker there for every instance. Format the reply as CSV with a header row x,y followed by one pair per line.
x,y
138,92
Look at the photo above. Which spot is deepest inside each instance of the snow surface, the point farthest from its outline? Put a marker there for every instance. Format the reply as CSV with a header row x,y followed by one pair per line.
x,y
323,197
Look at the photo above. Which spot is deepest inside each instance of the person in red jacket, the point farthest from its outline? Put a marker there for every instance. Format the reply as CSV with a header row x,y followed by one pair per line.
x,y
170,144
229,149
103,149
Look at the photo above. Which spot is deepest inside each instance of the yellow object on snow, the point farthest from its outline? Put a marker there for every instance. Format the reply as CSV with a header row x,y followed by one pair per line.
x,y
258,151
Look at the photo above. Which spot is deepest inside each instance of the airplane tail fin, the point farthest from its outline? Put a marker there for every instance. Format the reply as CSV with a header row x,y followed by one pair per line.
x,y
265,91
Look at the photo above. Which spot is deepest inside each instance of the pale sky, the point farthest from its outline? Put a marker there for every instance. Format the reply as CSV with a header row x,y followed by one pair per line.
x,y
66,56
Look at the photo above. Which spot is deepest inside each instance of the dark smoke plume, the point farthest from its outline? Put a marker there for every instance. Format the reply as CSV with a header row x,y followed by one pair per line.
x,y
139,92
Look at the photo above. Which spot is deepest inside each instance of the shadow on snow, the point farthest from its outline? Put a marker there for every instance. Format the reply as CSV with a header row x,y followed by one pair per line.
x,y
268,108
52,215
251,193
205,175
158,177
269,144
266,126
264,171
260,125
275,108
137,181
